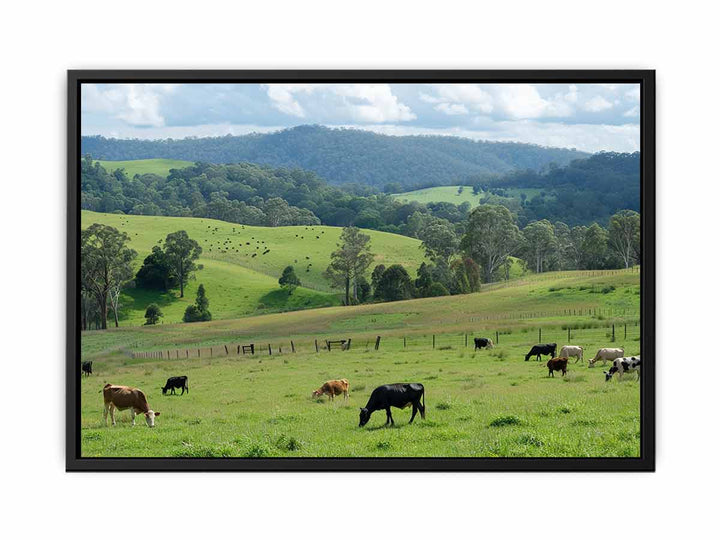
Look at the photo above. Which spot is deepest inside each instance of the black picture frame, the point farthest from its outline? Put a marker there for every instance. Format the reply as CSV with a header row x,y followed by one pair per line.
x,y
646,461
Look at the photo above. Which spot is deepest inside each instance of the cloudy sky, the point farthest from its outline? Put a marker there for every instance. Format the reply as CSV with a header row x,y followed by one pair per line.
x,y
590,117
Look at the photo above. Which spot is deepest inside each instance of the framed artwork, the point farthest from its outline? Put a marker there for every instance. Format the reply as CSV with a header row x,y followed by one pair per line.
x,y
361,270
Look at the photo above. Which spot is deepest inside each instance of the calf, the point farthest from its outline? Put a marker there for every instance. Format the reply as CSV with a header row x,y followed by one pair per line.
x,y
542,349
400,395
623,365
176,382
605,355
126,397
482,342
557,364
572,350
87,368
334,388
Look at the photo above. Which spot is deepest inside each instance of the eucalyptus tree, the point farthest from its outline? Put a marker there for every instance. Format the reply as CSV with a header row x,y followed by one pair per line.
x,y
490,238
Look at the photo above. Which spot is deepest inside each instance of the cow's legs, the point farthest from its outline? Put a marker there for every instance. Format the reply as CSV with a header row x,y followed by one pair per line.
x,y
413,413
389,417
132,415
345,396
105,413
112,413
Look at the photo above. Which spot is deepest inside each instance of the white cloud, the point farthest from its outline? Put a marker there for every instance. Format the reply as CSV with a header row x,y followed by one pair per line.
x,y
597,104
455,99
635,111
356,102
452,108
283,99
633,93
135,104
521,101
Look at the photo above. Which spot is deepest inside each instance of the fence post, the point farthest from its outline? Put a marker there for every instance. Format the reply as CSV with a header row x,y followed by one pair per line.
x,y
198,353
348,344
187,353
568,334
238,349
226,350
625,330
613,332
404,342
377,343
316,346
539,335
270,349
292,345
466,340
433,341
497,337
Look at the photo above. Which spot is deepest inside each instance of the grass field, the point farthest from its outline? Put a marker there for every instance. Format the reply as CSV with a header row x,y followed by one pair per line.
x,y
489,403
160,167
450,194
241,264
440,194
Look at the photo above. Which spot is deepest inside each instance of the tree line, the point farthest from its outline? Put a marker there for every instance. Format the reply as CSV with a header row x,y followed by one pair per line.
x,y
106,268
491,240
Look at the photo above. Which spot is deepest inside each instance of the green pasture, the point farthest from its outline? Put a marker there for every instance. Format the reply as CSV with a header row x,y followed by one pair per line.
x,y
450,194
440,194
589,299
241,264
483,404
160,167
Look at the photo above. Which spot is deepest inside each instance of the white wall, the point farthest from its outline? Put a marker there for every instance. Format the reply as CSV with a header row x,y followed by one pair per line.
x,y
40,42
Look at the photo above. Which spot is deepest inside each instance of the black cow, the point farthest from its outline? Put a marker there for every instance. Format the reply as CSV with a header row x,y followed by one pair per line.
x,y
400,395
538,350
87,368
482,342
176,382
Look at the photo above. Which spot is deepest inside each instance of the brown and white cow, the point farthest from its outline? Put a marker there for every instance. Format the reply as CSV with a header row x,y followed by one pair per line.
x,y
126,397
570,351
334,388
605,355
557,364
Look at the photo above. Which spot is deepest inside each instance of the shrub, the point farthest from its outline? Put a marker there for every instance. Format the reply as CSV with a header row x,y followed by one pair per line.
x,y
501,421
152,314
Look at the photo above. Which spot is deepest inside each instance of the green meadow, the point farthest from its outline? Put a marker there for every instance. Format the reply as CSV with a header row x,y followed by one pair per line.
x,y
484,403
160,167
241,264
440,194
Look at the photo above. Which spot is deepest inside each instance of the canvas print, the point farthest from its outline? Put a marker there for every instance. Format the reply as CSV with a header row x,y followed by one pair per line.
x,y
359,270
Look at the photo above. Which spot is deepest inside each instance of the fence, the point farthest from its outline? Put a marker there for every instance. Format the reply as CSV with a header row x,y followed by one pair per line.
x,y
611,332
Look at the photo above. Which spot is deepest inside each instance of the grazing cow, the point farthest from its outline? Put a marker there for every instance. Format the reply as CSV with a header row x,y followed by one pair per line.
x,y
605,355
400,395
126,397
623,365
87,368
557,364
176,382
334,388
538,350
572,350
482,342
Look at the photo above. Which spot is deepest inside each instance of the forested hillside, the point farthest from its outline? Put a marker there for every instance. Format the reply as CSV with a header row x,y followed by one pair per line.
x,y
346,155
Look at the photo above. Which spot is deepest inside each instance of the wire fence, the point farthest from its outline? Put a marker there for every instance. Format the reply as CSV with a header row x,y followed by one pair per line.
x,y
620,333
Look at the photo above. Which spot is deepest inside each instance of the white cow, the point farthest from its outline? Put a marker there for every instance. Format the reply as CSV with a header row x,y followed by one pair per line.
x,y
572,350
624,365
605,355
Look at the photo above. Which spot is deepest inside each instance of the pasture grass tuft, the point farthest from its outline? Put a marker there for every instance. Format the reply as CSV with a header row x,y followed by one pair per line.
x,y
500,421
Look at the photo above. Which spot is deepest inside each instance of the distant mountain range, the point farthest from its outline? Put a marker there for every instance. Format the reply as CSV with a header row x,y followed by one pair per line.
x,y
347,155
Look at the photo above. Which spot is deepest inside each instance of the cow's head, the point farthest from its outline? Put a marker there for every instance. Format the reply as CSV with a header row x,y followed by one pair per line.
x,y
609,374
164,390
316,393
150,418
364,416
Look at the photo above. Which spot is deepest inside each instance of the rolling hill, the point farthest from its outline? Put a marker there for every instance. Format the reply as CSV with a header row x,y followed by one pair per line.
x,y
241,264
346,155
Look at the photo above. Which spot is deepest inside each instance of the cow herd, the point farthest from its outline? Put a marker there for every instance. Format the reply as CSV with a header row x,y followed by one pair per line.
x,y
620,363
399,395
